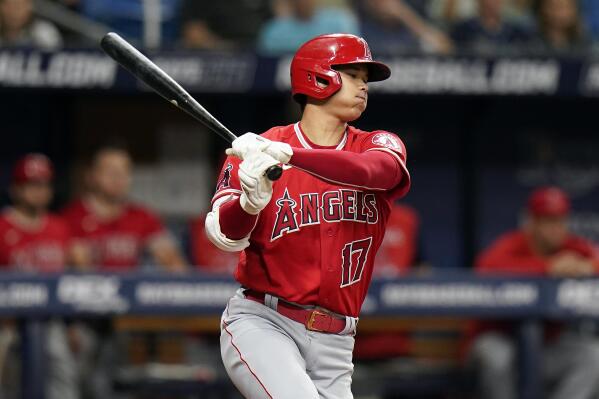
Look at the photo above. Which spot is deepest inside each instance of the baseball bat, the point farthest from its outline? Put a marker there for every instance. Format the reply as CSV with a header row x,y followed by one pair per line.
x,y
145,70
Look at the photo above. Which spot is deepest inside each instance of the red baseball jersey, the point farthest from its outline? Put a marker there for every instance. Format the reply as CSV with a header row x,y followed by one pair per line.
x,y
316,240
399,249
41,250
513,253
116,244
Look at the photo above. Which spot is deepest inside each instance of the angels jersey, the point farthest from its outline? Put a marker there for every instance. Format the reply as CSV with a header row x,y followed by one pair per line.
x,y
116,244
316,240
33,250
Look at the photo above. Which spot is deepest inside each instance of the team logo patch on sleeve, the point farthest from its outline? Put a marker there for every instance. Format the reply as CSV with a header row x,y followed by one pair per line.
x,y
225,181
387,140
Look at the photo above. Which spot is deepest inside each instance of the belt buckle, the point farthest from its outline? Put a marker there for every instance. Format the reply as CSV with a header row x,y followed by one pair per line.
x,y
312,319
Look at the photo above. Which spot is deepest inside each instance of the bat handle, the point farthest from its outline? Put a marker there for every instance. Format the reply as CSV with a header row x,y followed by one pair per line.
x,y
274,172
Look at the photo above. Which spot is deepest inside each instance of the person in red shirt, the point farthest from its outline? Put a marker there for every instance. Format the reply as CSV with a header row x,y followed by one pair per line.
x,y
399,254
32,240
206,256
111,232
309,239
401,249
543,247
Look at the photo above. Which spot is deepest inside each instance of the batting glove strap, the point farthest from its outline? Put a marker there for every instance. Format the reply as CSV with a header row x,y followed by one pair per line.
x,y
256,187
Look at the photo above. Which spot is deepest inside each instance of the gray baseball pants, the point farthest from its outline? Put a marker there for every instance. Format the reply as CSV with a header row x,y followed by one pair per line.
x,y
268,355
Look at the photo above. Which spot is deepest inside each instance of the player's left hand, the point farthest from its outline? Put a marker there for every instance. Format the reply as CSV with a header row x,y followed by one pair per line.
x,y
256,187
248,142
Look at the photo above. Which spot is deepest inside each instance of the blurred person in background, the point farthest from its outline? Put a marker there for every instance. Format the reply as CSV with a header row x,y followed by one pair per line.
x,y
490,32
223,24
129,17
20,27
392,25
205,255
300,21
560,27
543,247
112,234
401,250
399,254
32,240
450,12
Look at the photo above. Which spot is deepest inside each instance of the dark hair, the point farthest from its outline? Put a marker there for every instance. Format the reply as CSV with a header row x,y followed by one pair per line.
x,y
110,145
302,100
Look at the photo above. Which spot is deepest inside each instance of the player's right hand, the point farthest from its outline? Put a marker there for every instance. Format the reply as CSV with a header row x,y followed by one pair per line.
x,y
253,142
256,187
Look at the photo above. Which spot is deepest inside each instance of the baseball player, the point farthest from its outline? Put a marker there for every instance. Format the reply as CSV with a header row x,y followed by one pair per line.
x,y
543,246
111,232
309,239
32,240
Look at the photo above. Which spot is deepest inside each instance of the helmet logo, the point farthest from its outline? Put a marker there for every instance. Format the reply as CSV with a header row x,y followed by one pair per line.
x,y
367,53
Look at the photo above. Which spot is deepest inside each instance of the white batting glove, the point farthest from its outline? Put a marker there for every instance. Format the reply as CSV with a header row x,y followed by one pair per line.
x,y
252,142
256,187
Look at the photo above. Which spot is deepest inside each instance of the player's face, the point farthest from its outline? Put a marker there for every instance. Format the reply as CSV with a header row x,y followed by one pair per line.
x,y
549,232
111,175
35,196
351,100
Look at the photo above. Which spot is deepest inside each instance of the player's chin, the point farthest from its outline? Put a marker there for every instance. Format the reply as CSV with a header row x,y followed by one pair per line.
x,y
355,112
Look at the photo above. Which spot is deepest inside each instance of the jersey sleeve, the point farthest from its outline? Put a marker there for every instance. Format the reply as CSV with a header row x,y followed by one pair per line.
x,y
228,179
585,248
388,142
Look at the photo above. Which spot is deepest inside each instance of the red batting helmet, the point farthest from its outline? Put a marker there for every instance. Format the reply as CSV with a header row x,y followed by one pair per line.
x,y
32,167
315,58
548,201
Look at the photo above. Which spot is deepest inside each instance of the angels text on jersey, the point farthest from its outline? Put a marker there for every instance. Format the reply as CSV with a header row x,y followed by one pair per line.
x,y
329,207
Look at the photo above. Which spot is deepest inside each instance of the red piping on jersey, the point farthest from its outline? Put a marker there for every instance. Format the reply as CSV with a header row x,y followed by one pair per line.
x,y
308,144
230,191
370,170
244,362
